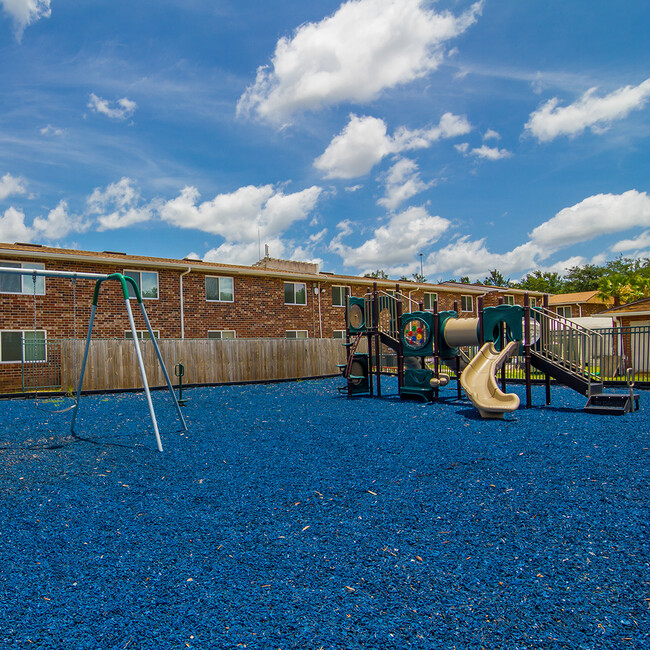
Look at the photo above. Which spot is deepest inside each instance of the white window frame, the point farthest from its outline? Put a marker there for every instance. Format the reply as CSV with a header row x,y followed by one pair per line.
x,y
221,333
295,333
295,284
22,347
431,300
143,335
342,288
338,334
219,278
562,309
131,273
26,281
508,299
462,300
532,301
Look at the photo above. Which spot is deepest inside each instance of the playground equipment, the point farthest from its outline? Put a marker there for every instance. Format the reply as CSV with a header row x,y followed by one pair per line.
x,y
123,280
554,345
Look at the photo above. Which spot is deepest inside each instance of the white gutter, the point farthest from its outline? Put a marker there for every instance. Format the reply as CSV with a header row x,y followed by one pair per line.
x,y
189,270
320,315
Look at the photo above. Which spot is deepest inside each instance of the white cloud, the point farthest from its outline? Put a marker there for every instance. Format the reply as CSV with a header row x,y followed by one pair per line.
x,y
402,182
25,12
490,153
470,257
365,47
11,185
245,253
364,142
490,134
50,130
13,228
463,147
119,110
596,215
550,120
59,223
118,206
356,150
638,243
393,245
241,216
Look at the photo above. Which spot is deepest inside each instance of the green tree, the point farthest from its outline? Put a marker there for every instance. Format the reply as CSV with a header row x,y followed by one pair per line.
x,y
378,274
496,279
583,278
417,277
626,280
544,281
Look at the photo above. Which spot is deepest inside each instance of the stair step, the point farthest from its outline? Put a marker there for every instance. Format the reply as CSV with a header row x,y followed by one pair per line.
x,y
612,403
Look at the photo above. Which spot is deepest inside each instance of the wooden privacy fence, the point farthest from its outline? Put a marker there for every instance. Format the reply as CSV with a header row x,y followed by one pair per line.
x,y
112,363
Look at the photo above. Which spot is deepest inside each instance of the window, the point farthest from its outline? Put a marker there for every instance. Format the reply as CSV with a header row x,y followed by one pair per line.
x,y
221,334
565,311
429,299
15,283
219,289
295,293
142,334
508,300
297,334
338,296
147,282
532,302
339,334
16,346
467,303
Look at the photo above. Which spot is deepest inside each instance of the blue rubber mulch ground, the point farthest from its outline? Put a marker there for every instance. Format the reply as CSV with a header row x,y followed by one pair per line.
x,y
290,517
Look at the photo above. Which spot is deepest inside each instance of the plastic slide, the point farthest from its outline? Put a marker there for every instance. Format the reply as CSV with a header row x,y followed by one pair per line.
x,y
480,383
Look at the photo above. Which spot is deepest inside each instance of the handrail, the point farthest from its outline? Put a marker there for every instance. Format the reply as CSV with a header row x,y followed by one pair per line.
x,y
409,301
565,343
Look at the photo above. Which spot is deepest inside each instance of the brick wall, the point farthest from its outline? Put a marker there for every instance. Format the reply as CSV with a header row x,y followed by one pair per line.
x,y
258,309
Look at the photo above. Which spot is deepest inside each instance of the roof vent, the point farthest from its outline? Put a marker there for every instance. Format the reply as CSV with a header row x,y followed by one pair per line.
x,y
113,253
22,243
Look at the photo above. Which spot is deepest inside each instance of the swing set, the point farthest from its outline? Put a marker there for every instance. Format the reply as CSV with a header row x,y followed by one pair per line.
x,y
100,278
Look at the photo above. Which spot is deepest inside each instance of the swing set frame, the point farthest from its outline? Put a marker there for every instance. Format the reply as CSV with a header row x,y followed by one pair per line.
x,y
124,281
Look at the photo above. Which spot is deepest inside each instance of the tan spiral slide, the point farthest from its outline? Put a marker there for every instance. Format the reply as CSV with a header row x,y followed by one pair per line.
x,y
480,383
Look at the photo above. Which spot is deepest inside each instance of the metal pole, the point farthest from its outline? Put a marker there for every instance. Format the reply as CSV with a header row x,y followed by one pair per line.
x,y
143,372
54,274
162,365
527,345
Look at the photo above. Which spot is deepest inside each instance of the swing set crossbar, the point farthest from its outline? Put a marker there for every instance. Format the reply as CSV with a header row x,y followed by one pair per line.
x,y
124,281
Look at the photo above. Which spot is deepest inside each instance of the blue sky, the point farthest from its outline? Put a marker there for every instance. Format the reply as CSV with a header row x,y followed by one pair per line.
x,y
492,134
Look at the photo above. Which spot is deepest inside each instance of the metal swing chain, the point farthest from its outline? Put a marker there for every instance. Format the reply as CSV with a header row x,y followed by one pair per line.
x,y
74,324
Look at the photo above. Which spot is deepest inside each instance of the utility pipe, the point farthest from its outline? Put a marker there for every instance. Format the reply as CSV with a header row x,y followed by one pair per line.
x,y
189,270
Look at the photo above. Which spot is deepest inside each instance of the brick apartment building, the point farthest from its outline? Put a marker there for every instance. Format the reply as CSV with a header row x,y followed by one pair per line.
x,y
191,298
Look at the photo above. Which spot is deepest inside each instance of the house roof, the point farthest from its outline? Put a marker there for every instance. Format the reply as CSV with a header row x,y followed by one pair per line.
x,y
582,297
640,307
300,272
